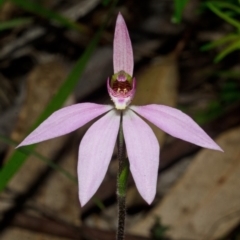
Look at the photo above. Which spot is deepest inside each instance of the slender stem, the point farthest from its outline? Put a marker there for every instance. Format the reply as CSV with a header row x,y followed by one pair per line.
x,y
123,171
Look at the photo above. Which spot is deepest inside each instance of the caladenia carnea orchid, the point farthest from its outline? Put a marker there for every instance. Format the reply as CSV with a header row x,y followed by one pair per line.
x,y
136,140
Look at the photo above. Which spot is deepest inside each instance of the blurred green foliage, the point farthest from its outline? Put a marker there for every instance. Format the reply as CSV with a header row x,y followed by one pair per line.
x,y
106,2
229,11
158,230
38,9
14,23
229,93
179,6
41,157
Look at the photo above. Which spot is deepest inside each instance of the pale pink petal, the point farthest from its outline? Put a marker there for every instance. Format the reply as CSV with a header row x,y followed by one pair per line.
x,y
95,153
65,121
122,49
143,153
176,123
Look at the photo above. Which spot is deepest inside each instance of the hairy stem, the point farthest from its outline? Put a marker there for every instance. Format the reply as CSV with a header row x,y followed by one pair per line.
x,y
123,171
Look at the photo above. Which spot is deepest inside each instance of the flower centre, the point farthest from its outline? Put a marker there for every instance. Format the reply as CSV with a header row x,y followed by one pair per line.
x,y
121,88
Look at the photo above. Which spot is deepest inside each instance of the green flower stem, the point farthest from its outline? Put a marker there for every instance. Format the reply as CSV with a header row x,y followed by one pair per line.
x,y
123,172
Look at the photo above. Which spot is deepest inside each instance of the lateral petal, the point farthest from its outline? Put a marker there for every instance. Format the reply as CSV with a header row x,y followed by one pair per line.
x,y
176,123
95,153
143,153
122,48
65,121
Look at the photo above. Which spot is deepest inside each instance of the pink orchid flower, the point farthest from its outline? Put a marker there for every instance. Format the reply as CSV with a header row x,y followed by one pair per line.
x,y
97,145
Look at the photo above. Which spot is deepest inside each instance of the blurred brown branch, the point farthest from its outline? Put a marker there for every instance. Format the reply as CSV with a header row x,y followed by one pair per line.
x,y
61,229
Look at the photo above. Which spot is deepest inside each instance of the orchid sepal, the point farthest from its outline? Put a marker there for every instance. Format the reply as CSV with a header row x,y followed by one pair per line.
x,y
122,48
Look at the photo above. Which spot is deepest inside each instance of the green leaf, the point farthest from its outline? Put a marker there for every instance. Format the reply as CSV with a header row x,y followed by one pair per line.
x,y
233,47
41,157
14,23
179,6
221,41
223,15
15,161
32,6
228,5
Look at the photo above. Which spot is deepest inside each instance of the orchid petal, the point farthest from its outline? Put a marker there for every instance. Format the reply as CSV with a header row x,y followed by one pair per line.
x,y
95,153
122,49
143,153
176,123
65,121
